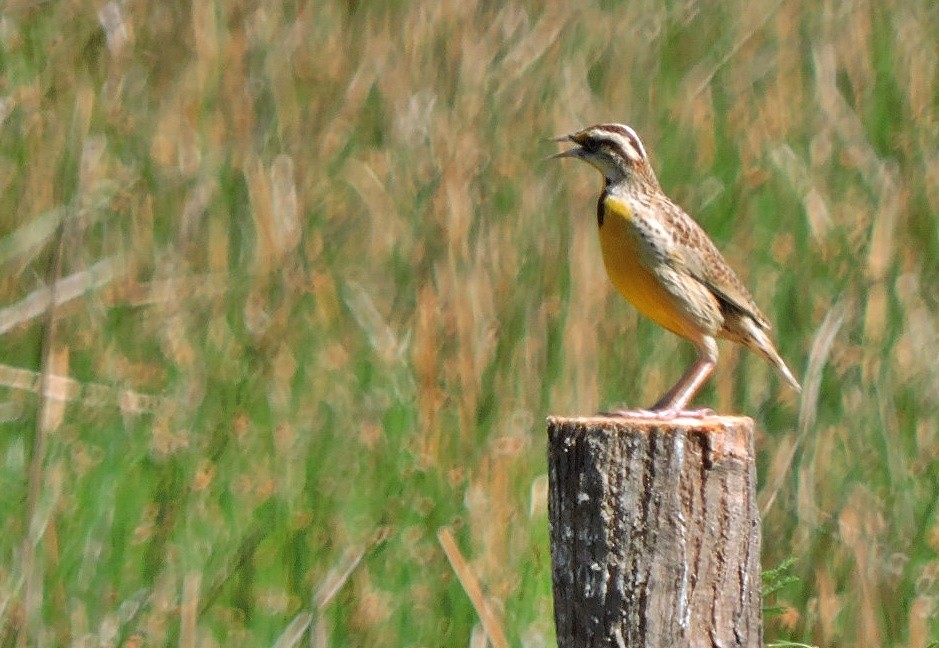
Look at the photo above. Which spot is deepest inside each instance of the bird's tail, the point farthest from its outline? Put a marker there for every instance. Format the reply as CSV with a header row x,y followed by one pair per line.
x,y
759,341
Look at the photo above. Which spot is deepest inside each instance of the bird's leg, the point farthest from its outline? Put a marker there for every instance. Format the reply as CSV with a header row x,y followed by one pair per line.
x,y
675,400
678,397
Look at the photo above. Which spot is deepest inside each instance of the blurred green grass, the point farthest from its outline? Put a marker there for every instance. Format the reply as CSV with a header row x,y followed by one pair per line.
x,y
345,290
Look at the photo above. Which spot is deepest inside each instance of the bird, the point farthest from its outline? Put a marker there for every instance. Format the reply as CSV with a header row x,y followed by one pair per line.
x,y
664,263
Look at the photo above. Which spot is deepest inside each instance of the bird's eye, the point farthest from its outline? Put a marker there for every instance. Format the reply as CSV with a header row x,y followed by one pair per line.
x,y
591,144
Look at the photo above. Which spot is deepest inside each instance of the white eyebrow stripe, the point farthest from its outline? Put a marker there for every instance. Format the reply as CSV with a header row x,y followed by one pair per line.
x,y
625,138
633,148
636,142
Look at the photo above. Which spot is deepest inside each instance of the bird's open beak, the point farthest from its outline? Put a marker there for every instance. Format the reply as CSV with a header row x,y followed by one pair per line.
x,y
574,152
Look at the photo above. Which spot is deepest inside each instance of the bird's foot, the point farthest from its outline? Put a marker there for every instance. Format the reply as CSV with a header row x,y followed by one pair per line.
x,y
632,413
661,414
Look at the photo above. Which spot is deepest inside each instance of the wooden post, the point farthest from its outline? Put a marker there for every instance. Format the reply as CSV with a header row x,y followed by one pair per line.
x,y
655,532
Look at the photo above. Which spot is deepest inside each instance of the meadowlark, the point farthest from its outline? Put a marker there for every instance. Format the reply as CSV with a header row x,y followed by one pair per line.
x,y
661,260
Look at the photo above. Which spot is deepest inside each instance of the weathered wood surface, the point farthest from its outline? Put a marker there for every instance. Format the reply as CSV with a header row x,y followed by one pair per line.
x,y
655,532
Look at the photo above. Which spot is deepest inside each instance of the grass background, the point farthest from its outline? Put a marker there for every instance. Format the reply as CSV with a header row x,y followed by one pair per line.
x,y
319,291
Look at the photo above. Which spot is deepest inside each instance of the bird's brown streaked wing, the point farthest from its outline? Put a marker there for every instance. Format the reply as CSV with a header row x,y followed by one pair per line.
x,y
696,252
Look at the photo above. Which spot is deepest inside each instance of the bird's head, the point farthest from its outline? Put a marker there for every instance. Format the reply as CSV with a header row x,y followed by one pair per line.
x,y
613,149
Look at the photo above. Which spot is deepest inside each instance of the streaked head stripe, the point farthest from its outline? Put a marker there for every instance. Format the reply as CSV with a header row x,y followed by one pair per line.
x,y
627,139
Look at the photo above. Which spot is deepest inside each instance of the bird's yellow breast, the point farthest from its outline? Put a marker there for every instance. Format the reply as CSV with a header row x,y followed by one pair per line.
x,y
629,261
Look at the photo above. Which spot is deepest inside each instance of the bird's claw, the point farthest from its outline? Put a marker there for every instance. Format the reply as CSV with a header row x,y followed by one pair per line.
x,y
661,414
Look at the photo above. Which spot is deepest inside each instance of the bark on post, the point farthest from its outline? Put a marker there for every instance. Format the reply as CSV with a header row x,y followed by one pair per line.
x,y
655,532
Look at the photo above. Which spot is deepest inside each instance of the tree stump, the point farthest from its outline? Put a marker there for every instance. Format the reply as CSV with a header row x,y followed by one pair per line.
x,y
655,532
